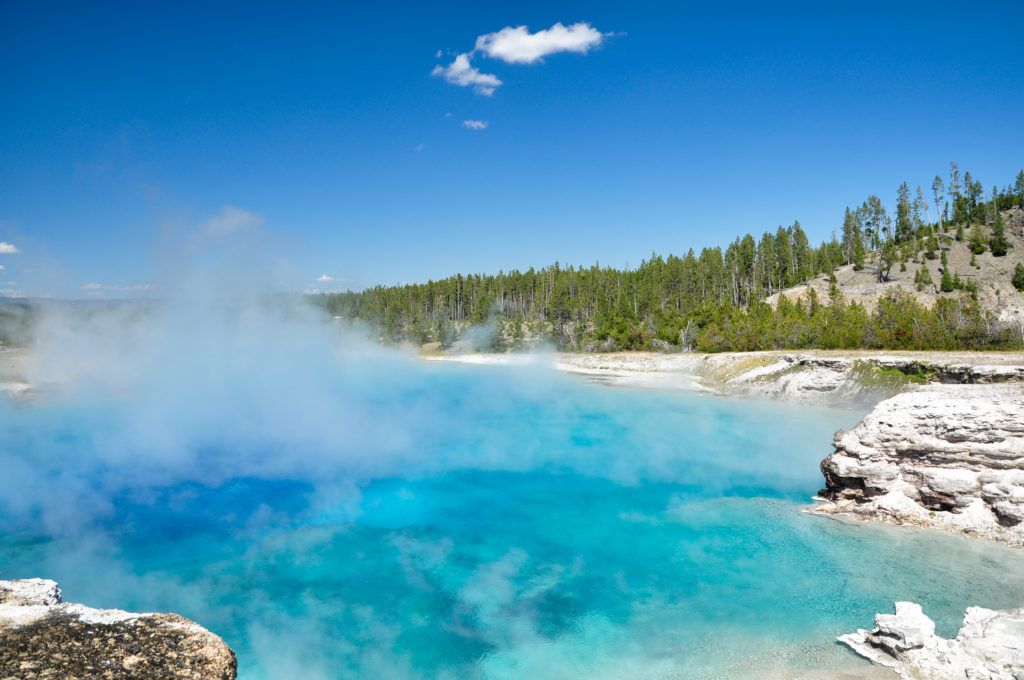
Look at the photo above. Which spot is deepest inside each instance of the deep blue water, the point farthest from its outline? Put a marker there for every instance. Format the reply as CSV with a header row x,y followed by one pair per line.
x,y
386,518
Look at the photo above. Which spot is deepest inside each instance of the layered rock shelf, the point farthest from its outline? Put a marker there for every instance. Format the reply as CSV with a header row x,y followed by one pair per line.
x,y
990,645
43,637
942,455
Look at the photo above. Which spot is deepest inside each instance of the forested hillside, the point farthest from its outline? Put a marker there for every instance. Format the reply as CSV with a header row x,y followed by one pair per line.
x,y
716,300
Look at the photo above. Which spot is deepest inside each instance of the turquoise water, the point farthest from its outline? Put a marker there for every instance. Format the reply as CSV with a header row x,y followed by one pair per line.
x,y
377,516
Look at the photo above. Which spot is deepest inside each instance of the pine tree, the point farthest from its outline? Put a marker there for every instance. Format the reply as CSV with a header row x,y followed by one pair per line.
x,y
938,188
904,227
979,240
946,283
998,243
923,278
1018,277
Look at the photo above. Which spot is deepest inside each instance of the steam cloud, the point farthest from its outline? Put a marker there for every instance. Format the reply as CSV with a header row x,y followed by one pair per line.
x,y
241,418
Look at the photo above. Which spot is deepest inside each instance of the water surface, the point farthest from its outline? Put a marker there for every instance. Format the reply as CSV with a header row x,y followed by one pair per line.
x,y
382,517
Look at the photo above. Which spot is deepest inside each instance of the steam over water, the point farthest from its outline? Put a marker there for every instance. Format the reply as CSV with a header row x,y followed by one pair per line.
x,y
337,511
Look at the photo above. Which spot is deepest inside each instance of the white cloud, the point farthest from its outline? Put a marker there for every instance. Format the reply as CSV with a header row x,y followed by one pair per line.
x,y
419,147
324,278
437,55
475,124
92,286
1,267
461,72
519,46
7,248
447,115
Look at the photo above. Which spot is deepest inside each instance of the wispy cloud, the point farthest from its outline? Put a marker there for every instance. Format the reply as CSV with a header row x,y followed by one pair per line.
x,y
519,46
324,278
134,288
8,248
475,124
461,72
230,223
232,219
419,147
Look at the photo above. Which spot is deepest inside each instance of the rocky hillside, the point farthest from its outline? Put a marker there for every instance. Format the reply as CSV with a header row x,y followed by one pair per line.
x,y
991,274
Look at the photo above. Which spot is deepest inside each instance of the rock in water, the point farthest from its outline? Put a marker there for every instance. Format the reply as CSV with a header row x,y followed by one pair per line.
x,y
43,637
944,455
990,645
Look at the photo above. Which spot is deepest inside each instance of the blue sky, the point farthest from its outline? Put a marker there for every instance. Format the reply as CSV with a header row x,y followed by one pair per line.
x,y
129,131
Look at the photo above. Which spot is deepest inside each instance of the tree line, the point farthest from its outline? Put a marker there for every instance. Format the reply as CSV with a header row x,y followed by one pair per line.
x,y
714,300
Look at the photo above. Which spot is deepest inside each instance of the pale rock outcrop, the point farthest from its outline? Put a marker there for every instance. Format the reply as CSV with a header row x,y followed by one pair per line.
x,y
809,377
990,645
43,637
941,455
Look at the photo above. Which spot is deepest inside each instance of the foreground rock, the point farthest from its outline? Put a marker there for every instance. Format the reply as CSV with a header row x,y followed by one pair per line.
x,y
989,645
43,637
943,455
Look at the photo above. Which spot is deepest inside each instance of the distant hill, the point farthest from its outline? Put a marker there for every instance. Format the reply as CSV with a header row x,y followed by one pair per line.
x,y
990,275
894,279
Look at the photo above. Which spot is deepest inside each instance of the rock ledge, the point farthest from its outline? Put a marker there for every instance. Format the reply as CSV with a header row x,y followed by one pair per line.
x,y
990,645
948,456
43,637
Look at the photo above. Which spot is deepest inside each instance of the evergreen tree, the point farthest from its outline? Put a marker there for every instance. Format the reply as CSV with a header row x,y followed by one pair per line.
x,y
904,224
978,240
938,188
946,283
1018,277
853,240
887,257
923,278
998,243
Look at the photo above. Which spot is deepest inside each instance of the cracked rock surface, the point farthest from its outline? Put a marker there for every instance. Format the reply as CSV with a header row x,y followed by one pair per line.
x,y
949,456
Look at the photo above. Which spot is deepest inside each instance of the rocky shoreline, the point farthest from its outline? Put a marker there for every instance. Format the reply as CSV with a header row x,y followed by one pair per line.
x,y
41,636
810,377
949,456
989,646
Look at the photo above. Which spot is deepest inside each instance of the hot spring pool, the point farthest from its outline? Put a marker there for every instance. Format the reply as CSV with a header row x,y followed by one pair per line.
x,y
388,518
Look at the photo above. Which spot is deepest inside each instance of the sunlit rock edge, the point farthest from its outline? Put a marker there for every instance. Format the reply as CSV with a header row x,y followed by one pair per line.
x,y
42,636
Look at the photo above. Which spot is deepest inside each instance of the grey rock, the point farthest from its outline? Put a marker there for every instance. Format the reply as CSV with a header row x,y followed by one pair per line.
x,y
43,637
